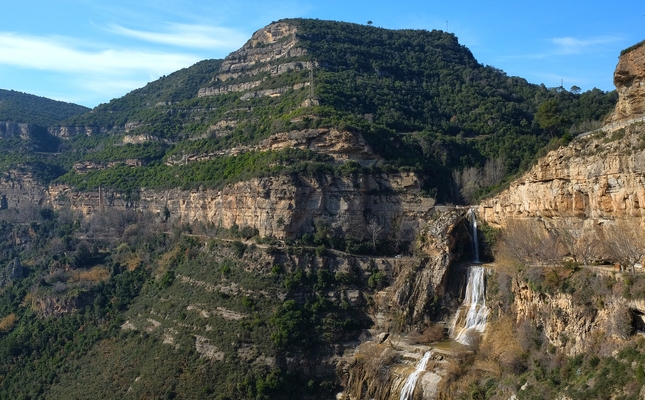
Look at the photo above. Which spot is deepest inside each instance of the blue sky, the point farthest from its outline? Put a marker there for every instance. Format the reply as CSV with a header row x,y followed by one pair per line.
x,y
90,51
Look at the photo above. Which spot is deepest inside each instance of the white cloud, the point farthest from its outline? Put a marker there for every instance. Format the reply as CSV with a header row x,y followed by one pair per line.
x,y
192,36
63,55
570,45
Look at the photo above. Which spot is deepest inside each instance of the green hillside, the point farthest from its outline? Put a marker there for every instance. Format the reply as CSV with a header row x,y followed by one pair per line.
x,y
27,108
418,98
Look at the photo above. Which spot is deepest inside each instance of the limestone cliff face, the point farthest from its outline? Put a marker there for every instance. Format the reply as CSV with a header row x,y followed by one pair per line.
x,y
629,79
67,132
268,51
14,129
20,190
340,145
279,206
575,324
568,326
597,177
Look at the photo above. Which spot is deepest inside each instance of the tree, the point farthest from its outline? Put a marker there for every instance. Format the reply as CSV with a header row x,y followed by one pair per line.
x,y
374,229
575,89
625,242
369,23
528,241
548,116
323,232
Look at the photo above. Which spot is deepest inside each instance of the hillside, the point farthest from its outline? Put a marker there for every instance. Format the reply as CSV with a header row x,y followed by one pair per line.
x,y
26,108
400,100
270,226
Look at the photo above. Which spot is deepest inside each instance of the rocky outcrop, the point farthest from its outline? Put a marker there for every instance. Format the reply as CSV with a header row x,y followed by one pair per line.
x,y
629,79
267,52
566,325
14,129
278,206
342,145
67,132
596,177
12,272
19,189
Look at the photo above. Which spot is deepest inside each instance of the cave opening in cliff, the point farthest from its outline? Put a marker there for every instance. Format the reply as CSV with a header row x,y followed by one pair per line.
x,y
637,320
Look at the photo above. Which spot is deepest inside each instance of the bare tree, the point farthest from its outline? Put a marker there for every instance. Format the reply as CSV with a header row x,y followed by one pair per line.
x,y
494,171
579,242
470,180
625,241
374,229
527,240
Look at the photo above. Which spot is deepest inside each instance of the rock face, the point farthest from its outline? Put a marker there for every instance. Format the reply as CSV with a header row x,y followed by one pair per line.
x,y
561,318
259,55
19,190
593,178
279,206
11,272
14,129
629,79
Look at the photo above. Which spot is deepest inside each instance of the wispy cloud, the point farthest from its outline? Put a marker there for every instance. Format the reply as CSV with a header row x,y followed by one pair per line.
x,y
569,46
65,55
191,36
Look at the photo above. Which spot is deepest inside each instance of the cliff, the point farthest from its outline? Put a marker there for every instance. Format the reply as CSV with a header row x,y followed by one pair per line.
x,y
595,177
629,79
594,186
279,206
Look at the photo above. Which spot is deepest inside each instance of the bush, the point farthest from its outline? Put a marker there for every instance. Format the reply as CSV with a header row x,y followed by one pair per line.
x,y
238,248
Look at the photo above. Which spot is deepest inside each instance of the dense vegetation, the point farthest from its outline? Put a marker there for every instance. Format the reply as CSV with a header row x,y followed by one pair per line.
x,y
27,108
126,303
419,98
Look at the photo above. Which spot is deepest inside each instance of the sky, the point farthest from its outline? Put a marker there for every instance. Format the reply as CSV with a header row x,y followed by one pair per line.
x,y
89,52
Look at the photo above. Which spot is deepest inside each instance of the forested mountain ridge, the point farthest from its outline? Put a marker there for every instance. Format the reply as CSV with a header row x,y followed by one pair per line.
x,y
26,108
404,99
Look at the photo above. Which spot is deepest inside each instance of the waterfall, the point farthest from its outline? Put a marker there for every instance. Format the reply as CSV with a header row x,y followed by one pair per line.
x,y
475,303
473,224
411,382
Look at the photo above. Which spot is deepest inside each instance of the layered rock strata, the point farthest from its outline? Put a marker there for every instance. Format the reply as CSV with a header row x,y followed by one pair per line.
x,y
629,79
593,178
278,206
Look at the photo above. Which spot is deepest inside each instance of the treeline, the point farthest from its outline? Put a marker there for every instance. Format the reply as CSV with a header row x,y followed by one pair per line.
x,y
26,108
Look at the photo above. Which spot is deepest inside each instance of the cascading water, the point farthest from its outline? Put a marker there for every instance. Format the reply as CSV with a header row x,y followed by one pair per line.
x,y
408,388
475,303
473,224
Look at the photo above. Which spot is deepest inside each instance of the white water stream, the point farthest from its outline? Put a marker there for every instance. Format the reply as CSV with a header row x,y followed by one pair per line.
x,y
411,383
473,224
475,304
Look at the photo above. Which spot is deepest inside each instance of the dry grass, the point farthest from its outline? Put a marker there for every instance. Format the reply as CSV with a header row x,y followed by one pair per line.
x,y
430,334
500,347
7,322
133,262
28,301
96,274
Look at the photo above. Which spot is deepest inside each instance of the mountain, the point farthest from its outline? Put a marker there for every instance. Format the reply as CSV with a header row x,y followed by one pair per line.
x,y
271,225
399,100
26,108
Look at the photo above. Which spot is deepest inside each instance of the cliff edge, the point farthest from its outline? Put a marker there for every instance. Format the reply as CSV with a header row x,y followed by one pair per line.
x,y
629,81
